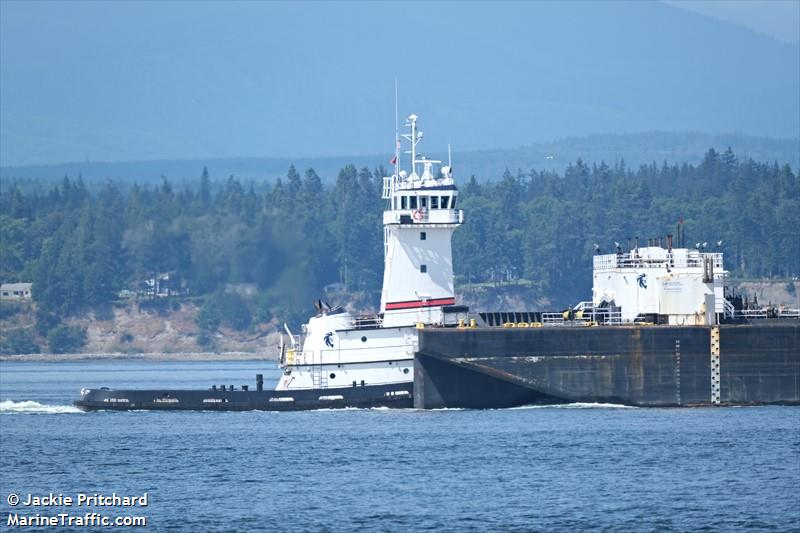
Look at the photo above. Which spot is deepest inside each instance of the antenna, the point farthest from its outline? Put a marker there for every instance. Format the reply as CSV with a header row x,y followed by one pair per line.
x,y
413,138
396,133
413,119
449,157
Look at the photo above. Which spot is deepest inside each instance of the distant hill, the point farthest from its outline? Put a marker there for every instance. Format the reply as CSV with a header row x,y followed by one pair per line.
x,y
135,81
633,149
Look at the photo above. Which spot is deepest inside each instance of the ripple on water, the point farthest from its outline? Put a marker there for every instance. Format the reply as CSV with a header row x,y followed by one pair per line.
x,y
570,468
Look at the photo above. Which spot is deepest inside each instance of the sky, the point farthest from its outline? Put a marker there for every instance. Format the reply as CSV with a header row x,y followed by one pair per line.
x,y
123,81
779,19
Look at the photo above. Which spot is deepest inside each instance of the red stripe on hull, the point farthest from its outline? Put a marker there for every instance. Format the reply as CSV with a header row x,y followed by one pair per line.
x,y
420,303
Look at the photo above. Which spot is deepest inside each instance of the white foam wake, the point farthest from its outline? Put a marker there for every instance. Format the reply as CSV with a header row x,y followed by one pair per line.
x,y
578,405
29,406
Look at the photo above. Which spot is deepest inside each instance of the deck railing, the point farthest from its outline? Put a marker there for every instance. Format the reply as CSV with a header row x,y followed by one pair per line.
x,y
582,314
633,260
425,216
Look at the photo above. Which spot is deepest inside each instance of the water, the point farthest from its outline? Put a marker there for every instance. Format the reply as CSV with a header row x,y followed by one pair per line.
x,y
579,467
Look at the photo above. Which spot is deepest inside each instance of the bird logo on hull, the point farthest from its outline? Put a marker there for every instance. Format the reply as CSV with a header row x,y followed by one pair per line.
x,y
642,279
329,339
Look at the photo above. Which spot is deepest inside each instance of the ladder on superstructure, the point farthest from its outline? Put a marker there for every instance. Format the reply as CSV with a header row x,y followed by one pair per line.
x,y
318,379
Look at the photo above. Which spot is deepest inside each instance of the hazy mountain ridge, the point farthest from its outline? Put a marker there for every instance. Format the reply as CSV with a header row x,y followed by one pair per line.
x,y
634,149
144,81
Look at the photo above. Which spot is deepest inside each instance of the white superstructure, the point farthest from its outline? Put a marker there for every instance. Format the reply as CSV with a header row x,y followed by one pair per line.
x,y
681,286
337,349
417,230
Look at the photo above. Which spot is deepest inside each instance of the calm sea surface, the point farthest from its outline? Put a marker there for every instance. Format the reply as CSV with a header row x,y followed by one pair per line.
x,y
569,468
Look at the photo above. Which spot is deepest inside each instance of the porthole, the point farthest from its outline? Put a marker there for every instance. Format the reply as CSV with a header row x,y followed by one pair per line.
x,y
333,375
405,371
363,339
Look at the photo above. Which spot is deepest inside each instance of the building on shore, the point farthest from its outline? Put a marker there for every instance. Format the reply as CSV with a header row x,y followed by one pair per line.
x,y
15,291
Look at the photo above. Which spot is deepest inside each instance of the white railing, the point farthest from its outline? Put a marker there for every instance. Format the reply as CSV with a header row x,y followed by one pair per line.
x,y
728,307
789,313
582,314
753,314
356,354
388,187
364,322
425,216
298,357
552,318
633,260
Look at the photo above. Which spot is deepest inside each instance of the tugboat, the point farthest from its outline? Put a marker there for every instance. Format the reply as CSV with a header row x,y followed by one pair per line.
x,y
339,359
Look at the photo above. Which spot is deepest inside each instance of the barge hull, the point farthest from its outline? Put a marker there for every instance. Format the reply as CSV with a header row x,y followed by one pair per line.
x,y
640,365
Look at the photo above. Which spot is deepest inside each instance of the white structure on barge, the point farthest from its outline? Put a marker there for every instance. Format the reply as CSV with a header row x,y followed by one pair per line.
x,y
677,286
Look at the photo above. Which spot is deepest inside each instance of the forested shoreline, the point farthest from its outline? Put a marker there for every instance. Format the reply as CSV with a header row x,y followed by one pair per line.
x,y
82,247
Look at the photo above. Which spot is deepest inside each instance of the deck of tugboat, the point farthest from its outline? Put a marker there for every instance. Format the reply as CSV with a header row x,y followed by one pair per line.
x,y
230,399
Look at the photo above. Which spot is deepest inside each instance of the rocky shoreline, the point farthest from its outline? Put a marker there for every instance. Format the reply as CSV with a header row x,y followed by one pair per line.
x,y
132,332
156,356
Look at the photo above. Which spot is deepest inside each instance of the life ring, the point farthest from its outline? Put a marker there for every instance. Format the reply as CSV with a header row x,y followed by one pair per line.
x,y
418,214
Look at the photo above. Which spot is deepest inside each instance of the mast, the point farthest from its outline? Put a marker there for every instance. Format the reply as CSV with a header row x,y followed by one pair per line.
x,y
396,133
413,137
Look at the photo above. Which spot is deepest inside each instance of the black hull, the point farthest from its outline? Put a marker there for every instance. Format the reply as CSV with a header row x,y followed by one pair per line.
x,y
655,366
396,396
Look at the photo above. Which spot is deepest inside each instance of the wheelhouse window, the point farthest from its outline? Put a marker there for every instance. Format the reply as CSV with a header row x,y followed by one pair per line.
x,y
404,202
423,201
413,202
453,203
434,202
445,201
